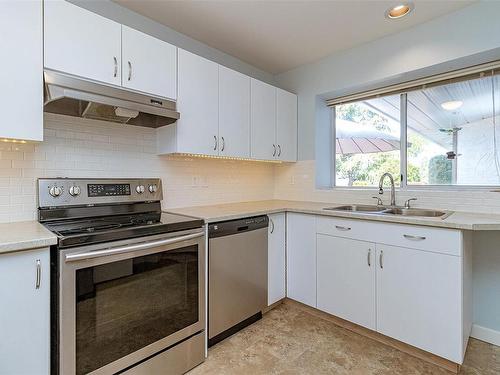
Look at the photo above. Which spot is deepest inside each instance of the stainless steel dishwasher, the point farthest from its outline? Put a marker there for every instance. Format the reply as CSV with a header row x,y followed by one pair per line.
x,y
237,275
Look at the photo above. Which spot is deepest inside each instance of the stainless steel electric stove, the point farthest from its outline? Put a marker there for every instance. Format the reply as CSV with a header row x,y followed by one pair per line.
x,y
128,281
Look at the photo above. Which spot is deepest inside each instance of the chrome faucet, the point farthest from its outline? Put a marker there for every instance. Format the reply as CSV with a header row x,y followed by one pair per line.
x,y
393,189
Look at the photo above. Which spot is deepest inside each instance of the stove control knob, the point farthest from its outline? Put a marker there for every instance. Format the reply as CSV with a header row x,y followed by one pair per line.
x,y
75,191
55,191
140,189
153,188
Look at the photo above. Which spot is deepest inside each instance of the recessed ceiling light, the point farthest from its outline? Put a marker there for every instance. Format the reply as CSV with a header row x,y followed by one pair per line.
x,y
399,11
452,105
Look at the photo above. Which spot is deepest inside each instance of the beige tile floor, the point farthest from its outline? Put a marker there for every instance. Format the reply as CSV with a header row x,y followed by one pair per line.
x,y
291,341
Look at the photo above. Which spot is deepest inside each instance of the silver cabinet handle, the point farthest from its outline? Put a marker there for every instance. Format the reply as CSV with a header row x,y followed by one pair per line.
x,y
129,70
223,144
272,225
413,238
381,259
38,280
369,257
279,150
342,228
274,150
215,142
116,67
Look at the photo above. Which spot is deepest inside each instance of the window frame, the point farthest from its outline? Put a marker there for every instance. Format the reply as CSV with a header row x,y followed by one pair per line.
x,y
404,132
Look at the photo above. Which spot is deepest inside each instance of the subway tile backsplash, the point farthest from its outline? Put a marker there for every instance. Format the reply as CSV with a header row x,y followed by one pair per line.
x,y
297,182
76,147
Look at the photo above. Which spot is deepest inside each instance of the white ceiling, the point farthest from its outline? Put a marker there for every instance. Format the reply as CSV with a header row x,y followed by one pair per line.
x,y
277,36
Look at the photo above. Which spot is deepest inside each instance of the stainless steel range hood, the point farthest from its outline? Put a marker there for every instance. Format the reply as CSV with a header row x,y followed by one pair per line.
x,y
73,96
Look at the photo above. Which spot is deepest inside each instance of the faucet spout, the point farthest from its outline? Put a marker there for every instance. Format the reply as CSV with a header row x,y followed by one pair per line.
x,y
393,189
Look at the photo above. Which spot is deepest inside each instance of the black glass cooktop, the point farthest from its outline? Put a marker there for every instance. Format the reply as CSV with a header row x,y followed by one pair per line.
x,y
77,232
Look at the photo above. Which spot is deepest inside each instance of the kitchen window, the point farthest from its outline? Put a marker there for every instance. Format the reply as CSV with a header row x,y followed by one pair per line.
x,y
441,131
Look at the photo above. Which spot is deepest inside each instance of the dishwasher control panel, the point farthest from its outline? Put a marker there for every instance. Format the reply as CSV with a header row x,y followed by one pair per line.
x,y
227,228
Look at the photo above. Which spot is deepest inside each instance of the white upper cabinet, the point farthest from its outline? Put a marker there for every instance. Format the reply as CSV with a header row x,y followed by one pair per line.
x,y
346,279
234,113
263,121
273,123
198,103
286,125
82,43
25,312
148,64
419,299
21,73
276,258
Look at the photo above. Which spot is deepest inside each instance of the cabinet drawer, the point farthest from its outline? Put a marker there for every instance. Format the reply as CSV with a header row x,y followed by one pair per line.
x,y
355,229
445,241
438,240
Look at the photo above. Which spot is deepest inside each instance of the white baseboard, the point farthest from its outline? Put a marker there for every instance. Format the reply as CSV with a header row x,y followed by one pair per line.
x,y
485,334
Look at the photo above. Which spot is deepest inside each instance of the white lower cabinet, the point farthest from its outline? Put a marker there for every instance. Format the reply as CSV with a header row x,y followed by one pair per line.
x,y
301,258
411,283
276,258
25,312
419,299
346,279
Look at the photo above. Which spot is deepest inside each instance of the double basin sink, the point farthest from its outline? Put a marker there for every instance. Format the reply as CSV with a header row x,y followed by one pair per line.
x,y
388,210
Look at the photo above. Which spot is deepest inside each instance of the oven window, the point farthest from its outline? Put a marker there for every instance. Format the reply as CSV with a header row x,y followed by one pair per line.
x,y
123,306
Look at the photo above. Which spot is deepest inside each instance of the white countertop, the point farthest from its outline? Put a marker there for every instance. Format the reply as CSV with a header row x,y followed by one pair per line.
x,y
220,212
24,235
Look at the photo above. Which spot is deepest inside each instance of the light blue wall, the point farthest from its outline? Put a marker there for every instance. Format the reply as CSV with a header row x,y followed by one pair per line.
x,y
113,11
466,37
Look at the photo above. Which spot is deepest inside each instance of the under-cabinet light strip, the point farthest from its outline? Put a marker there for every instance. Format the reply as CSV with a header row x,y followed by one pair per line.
x,y
226,158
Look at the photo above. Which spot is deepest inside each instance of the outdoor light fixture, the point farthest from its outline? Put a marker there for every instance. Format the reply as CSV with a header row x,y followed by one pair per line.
x,y
399,11
452,105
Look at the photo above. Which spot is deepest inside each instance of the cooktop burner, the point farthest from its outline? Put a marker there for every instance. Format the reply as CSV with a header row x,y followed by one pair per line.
x,y
72,227
103,229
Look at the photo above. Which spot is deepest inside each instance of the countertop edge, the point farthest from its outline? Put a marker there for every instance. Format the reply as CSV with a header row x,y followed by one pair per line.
x,y
447,223
11,247
24,236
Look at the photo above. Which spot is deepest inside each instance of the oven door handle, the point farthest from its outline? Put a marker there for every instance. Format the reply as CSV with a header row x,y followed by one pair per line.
x,y
131,248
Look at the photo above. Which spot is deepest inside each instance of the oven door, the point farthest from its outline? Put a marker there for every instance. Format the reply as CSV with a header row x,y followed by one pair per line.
x,y
123,302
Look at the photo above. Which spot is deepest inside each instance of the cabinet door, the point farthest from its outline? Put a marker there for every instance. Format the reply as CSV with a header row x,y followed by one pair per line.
x,y
263,120
198,104
276,258
234,113
21,73
286,125
82,43
24,316
301,258
346,279
419,299
148,64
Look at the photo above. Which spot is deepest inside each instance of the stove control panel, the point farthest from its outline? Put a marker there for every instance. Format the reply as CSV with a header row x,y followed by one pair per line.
x,y
108,190
55,192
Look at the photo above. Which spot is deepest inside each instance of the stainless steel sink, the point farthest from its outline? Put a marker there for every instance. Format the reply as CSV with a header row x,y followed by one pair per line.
x,y
385,210
357,208
414,212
